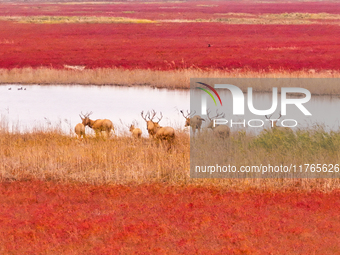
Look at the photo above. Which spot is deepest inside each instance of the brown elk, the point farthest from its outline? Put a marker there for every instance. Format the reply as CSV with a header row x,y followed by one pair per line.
x,y
136,132
274,126
222,131
156,131
80,130
150,124
194,122
97,125
165,133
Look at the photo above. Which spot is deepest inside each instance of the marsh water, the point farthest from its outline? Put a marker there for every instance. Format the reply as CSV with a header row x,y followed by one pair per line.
x,y
43,106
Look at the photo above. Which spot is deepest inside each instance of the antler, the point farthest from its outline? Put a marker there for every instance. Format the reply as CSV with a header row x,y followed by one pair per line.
x,y
272,115
192,113
208,112
269,116
159,119
188,114
153,115
218,115
85,115
145,116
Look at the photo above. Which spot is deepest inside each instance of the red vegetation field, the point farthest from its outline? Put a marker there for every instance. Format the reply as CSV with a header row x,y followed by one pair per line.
x,y
170,46
43,217
167,45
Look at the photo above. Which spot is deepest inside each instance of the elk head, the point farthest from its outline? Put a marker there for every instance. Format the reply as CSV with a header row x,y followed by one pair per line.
x,y
85,118
151,125
211,119
187,117
274,121
132,127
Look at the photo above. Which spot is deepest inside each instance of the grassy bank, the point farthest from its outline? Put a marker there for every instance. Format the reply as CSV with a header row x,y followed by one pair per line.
x,y
305,148
314,145
51,155
122,160
172,79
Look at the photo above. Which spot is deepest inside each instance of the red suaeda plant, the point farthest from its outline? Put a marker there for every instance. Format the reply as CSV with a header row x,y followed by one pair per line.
x,y
38,217
170,45
167,46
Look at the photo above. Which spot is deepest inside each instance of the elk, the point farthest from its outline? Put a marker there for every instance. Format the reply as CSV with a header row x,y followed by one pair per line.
x,y
150,124
97,125
222,131
278,128
165,133
156,131
136,132
195,122
80,130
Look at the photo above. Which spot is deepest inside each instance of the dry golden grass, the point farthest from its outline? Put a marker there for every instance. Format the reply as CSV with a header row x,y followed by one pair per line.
x,y
277,19
72,19
301,16
229,18
172,79
51,155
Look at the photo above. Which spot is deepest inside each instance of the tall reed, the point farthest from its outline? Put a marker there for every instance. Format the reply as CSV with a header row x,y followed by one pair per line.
x,y
170,79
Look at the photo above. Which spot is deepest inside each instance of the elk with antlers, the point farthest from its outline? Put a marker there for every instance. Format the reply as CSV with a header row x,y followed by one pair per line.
x,y
155,130
222,131
194,122
278,128
97,125
150,124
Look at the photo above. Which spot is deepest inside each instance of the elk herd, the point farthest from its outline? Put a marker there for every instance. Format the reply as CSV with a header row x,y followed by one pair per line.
x,y
104,125
167,133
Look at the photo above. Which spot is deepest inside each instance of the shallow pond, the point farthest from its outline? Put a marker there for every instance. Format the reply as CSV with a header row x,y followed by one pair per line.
x,y
60,105
45,106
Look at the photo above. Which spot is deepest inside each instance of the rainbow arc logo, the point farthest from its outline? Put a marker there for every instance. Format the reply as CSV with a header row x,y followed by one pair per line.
x,y
209,93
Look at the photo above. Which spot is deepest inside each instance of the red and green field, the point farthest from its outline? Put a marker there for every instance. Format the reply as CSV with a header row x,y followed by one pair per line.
x,y
53,215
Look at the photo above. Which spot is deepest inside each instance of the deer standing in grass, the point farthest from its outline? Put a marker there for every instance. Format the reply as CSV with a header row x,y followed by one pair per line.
x,y
80,130
156,131
194,122
274,126
222,131
97,125
136,132
151,125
